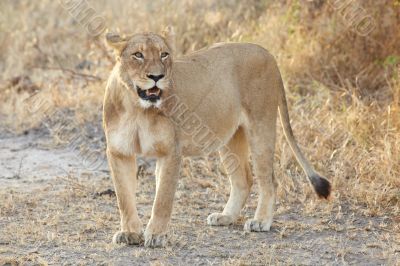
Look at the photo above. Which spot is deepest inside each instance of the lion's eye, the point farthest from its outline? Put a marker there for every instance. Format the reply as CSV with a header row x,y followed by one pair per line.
x,y
138,55
164,55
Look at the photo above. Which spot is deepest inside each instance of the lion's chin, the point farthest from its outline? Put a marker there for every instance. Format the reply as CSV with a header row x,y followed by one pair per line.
x,y
147,104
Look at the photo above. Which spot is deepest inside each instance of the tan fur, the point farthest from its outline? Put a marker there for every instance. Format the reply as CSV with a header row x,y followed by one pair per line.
x,y
228,93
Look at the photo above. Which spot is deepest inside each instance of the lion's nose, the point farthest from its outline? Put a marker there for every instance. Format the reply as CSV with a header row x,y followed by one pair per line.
x,y
155,77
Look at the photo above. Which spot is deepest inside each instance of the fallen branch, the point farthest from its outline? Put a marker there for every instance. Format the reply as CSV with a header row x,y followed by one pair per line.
x,y
72,72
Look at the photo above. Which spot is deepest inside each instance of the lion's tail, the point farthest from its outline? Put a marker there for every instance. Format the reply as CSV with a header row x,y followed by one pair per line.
x,y
321,185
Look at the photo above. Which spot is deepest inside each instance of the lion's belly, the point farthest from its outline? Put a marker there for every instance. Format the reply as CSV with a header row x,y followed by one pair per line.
x,y
209,132
204,142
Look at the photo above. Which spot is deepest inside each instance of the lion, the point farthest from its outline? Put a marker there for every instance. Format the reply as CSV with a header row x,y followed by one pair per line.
x,y
223,98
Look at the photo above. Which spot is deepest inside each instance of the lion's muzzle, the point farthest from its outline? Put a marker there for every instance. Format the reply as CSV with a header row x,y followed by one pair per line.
x,y
152,95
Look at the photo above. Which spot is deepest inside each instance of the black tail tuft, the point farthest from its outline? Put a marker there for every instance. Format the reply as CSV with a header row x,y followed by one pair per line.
x,y
321,186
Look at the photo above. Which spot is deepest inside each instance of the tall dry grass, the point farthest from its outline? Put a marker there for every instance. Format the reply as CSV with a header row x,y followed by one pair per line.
x,y
343,88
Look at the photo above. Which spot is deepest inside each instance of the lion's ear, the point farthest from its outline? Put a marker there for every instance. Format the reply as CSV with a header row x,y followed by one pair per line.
x,y
116,42
169,36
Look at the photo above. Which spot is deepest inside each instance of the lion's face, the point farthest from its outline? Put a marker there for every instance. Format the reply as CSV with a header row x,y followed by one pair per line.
x,y
145,66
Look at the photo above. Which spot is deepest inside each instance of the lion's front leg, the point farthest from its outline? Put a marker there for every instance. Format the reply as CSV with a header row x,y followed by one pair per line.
x,y
167,178
123,170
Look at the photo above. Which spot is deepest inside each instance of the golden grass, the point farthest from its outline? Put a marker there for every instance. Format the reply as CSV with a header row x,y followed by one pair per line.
x,y
70,223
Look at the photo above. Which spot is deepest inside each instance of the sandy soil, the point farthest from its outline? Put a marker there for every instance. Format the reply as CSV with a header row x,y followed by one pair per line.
x,y
55,211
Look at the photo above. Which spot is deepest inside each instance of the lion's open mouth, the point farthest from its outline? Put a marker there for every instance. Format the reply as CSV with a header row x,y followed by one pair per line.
x,y
151,95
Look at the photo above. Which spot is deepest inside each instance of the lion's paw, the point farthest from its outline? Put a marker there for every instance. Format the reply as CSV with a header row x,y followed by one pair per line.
x,y
220,219
155,240
257,226
129,238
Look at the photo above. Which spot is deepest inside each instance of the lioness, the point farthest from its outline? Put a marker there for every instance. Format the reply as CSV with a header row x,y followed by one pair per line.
x,y
159,106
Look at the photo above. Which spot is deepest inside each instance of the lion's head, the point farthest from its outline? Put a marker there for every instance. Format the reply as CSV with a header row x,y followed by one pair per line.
x,y
144,64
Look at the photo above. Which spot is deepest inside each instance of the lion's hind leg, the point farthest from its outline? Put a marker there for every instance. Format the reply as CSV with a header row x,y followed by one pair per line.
x,y
236,161
262,147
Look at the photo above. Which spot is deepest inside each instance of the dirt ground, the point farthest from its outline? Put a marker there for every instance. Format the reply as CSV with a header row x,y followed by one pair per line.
x,y
54,211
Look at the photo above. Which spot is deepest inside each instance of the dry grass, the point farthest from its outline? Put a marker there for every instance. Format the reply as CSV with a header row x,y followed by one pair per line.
x,y
70,221
343,90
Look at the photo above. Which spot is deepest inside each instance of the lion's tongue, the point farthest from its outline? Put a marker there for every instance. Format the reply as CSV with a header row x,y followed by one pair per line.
x,y
152,91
